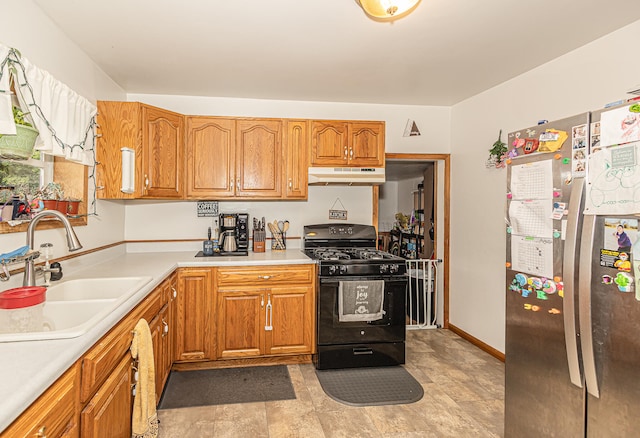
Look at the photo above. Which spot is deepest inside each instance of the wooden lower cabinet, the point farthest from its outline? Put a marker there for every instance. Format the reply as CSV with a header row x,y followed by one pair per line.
x,y
195,313
108,413
269,318
54,414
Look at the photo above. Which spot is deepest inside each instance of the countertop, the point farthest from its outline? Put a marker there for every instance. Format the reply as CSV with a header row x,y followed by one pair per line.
x,y
28,368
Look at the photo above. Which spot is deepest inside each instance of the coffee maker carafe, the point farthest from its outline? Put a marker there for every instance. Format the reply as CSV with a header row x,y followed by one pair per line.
x,y
234,235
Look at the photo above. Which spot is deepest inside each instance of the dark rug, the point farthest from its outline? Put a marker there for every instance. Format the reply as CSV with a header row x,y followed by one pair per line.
x,y
227,386
370,386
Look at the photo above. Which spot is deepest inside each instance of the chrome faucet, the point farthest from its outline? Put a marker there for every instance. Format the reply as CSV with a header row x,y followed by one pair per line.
x,y
72,241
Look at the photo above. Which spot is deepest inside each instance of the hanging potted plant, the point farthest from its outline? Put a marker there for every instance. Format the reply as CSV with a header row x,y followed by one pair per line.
x,y
19,146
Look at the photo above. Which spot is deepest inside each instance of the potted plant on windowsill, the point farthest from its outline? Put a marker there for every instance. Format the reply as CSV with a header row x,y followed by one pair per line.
x,y
19,146
50,195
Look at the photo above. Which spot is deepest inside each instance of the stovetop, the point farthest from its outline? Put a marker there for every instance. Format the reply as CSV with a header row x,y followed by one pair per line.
x,y
350,254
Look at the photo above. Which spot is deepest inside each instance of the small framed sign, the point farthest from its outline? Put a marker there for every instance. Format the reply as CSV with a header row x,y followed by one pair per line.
x,y
338,214
207,208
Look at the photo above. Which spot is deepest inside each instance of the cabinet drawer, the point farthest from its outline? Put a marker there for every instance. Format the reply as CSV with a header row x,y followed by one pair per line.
x,y
258,276
54,414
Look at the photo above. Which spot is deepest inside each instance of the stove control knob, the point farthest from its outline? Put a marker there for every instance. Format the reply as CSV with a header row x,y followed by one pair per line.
x,y
350,230
332,269
343,269
384,269
394,268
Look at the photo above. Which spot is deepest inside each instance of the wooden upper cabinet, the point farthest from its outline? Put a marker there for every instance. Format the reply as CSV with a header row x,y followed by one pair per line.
x,y
347,143
162,153
259,159
296,144
210,157
157,137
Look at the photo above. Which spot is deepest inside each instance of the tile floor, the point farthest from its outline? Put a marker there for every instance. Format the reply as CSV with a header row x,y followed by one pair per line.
x,y
464,397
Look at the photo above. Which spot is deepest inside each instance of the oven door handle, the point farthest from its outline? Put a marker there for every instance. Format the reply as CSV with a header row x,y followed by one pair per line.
x,y
361,351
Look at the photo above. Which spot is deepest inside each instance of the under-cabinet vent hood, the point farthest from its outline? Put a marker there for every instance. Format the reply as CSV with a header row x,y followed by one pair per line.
x,y
346,175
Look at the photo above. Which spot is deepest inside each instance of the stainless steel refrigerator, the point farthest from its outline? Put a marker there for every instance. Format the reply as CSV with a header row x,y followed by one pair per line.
x,y
572,302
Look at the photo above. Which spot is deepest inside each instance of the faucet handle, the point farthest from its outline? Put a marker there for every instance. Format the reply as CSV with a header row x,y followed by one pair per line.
x,y
56,271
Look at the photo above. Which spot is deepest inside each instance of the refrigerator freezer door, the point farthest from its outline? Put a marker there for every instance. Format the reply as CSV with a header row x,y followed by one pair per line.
x,y
615,315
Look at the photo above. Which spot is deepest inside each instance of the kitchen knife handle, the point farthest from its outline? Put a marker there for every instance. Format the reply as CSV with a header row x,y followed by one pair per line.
x,y
584,288
568,278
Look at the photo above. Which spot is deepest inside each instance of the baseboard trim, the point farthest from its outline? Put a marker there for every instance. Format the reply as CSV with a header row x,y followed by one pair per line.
x,y
245,362
477,342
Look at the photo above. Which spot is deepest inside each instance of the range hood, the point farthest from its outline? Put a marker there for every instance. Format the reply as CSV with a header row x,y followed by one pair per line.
x,y
346,175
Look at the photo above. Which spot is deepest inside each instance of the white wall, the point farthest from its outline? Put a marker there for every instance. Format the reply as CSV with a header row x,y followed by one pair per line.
x,y
30,31
387,205
580,81
162,220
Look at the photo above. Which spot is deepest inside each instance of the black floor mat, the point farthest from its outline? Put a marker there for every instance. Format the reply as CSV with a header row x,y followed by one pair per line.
x,y
227,386
371,386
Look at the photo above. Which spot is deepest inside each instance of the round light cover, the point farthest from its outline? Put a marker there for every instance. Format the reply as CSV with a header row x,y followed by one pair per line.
x,y
388,9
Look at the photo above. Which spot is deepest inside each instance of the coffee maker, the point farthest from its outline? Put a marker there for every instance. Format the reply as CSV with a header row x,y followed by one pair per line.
x,y
234,234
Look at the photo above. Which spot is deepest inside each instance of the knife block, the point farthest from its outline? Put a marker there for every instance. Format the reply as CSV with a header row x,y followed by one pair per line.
x,y
259,237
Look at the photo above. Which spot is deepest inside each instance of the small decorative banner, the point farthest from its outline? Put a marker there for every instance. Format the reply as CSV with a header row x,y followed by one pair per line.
x,y
411,130
338,214
207,208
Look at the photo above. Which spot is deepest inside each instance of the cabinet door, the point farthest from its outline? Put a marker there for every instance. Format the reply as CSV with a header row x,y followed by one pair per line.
x,y
173,319
211,148
329,143
240,323
194,334
108,413
259,159
162,153
296,156
366,144
291,318
155,326
119,126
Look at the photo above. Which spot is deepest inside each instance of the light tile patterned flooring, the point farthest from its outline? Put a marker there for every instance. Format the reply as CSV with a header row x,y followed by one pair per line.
x,y
463,397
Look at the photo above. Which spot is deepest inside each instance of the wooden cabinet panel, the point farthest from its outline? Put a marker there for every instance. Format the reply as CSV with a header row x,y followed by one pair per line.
x,y
211,147
366,144
259,160
329,143
157,137
162,153
261,276
347,143
194,337
292,320
54,414
296,156
240,332
155,326
265,311
108,414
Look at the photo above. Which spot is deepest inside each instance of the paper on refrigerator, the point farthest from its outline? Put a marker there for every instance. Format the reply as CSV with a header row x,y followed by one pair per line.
x,y
530,216
613,180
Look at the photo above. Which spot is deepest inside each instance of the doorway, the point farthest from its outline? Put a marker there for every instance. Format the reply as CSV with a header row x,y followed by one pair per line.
x,y
408,166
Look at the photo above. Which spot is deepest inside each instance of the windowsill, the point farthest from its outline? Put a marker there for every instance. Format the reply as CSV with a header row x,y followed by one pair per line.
x,y
45,224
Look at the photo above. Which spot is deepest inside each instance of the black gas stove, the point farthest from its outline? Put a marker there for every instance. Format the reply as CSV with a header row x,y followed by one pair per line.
x,y
349,249
347,256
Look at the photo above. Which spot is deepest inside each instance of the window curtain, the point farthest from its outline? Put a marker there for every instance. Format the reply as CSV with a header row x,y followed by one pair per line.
x,y
64,119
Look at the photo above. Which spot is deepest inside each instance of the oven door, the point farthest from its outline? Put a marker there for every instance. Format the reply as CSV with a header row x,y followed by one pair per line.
x,y
391,328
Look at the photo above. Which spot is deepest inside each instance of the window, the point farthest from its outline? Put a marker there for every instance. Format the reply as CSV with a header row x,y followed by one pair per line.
x,y
27,176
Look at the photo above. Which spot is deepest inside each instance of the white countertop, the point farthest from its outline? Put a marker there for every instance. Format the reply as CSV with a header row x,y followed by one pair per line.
x,y
28,368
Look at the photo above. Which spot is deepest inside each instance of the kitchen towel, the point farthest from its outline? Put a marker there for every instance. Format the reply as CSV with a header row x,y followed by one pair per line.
x,y
360,300
144,423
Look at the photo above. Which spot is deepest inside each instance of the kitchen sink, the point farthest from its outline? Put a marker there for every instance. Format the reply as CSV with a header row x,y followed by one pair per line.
x,y
72,308
96,288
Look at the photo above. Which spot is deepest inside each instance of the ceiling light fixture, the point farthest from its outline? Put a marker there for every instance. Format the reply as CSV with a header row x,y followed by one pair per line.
x,y
388,9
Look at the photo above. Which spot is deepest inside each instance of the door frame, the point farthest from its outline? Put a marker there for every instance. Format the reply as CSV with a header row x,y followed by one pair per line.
x,y
446,159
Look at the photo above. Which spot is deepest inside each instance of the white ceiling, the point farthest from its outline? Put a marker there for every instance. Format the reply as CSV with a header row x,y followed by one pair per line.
x,y
328,50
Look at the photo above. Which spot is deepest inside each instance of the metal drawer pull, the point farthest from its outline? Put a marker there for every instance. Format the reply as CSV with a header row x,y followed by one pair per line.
x,y
42,432
264,277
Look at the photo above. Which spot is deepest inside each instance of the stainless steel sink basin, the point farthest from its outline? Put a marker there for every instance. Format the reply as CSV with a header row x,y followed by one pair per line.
x,y
72,308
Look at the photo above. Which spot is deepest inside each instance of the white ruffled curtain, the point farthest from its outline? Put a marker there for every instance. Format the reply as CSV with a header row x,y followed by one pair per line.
x,y
64,119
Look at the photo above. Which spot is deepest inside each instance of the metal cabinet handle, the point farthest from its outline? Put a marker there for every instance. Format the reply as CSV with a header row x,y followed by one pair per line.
x,y
264,277
268,315
42,432
238,183
290,184
146,183
175,292
345,152
261,300
351,152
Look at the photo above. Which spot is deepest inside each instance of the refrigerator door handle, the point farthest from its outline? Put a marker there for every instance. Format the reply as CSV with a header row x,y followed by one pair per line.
x,y
584,288
568,278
